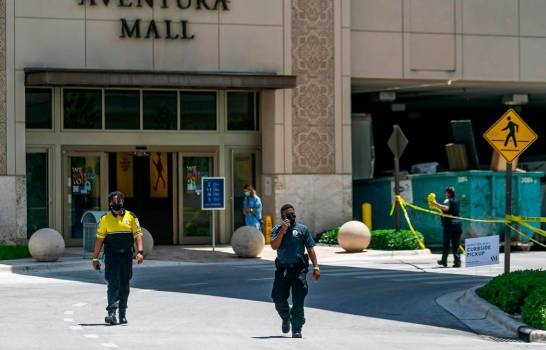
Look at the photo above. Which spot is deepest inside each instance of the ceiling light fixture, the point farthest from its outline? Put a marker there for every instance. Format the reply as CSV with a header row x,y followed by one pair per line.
x,y
515,99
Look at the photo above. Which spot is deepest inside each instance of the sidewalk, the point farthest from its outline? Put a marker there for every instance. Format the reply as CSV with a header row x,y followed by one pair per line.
x,y
73,258
465,305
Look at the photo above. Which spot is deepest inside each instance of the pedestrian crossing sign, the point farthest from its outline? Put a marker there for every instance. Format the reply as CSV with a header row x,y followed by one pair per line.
x,y
510,135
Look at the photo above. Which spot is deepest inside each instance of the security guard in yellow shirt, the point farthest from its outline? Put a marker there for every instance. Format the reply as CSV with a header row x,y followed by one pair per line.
x,y
119,231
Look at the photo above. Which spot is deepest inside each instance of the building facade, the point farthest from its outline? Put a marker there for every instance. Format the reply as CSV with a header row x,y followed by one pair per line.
x,y
149,96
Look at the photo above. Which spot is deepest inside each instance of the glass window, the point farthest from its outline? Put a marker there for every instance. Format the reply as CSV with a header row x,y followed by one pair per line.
x,y
82,109
84,192
242,111
38,108
159,110
197,222
37,192
197,110
122,109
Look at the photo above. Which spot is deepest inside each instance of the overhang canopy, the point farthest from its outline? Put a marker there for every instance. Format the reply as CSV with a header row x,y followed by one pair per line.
x,y
156,79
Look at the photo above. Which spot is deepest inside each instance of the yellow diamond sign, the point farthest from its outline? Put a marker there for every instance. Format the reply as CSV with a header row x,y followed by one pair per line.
x,y
510,135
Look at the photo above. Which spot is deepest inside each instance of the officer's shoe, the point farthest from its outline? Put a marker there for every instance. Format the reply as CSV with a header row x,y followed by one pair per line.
x,y
111,318
122,318
286,325
296,334
442,263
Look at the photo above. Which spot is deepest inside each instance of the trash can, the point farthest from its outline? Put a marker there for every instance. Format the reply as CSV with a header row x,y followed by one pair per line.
x,y
90,221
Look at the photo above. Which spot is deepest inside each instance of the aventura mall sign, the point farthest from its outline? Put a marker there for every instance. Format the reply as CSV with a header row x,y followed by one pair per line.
x,y
151,29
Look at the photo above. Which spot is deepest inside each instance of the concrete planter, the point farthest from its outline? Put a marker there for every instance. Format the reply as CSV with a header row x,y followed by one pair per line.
x,y
247,242
354,236
46,244
147,241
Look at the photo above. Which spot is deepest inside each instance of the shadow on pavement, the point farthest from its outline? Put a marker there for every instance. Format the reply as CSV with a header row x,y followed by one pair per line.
x,y
405,296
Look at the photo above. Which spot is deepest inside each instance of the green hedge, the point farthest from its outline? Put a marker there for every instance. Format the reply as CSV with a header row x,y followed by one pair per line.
x,y
509,291
392,240
329,237
8,252
381,239
533,311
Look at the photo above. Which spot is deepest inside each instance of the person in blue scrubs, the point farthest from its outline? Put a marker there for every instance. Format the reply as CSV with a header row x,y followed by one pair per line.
x,y
252,207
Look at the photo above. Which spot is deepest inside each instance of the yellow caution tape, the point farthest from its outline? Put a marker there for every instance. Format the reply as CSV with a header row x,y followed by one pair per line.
x,y
521,233
417,238
521,220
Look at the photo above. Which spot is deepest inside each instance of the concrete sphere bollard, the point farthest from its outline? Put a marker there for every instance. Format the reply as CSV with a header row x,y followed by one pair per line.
x,y
354,236
247,242
147,241
46,244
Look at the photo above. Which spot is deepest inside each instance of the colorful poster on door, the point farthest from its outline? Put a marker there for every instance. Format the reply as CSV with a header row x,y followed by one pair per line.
x,y
159,175
124,173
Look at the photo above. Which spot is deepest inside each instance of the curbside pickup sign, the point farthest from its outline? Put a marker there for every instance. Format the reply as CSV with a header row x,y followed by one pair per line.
x,y
482,251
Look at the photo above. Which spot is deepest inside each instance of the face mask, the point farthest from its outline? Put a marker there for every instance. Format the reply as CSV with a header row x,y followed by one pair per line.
x,y
247,193
116,206
292,218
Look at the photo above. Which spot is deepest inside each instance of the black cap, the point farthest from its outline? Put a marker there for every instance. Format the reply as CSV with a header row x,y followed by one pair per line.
x,y
286,206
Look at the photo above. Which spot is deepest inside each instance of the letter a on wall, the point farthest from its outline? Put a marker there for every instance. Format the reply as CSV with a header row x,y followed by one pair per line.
x,y
159,175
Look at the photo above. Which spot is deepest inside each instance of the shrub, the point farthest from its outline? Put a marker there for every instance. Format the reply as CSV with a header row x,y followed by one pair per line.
x,y
329,237
509,291
8,252
393,240
533,311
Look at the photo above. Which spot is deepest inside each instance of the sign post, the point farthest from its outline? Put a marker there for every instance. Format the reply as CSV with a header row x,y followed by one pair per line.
x,y
509,136
397,143
213,198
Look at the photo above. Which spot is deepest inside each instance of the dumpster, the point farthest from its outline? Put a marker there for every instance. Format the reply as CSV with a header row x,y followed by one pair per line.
x,y
481,195
90,221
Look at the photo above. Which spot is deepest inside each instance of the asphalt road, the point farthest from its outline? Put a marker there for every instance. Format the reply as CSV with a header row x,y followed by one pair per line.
x,y
383,305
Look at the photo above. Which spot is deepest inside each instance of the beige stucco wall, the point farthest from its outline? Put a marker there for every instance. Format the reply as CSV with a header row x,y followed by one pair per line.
x,y
3,88
12,187
489,40
306,131
60,33
310,163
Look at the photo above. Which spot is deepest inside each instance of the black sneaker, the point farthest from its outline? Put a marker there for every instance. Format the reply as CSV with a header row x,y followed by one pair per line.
x,y
111,318
122,318
457,265
286,325
296,334
441,263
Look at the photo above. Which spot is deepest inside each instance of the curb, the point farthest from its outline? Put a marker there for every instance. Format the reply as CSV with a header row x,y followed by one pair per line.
x,y
496,316
43,266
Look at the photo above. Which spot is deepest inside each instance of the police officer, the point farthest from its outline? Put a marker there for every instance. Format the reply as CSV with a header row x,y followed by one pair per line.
x,y
452,227
118,230
290,239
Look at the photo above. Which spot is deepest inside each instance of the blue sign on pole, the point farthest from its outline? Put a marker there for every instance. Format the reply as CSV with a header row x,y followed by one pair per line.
x,y
213,196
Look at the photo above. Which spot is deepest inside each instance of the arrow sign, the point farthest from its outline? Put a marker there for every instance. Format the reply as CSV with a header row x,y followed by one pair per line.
x,y
397,142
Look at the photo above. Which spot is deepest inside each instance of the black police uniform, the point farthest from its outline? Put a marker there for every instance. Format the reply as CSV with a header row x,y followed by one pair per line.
x,y
290,275
452,231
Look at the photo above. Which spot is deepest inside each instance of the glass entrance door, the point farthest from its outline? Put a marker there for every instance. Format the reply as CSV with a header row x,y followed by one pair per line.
x,y
195,224
83,191
244,172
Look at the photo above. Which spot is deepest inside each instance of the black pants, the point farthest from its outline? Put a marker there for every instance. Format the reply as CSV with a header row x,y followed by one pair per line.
x,y
452,235
118,273
291,278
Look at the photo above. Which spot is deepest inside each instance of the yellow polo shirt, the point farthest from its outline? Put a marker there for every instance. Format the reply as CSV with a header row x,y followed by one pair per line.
x,y
118,231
